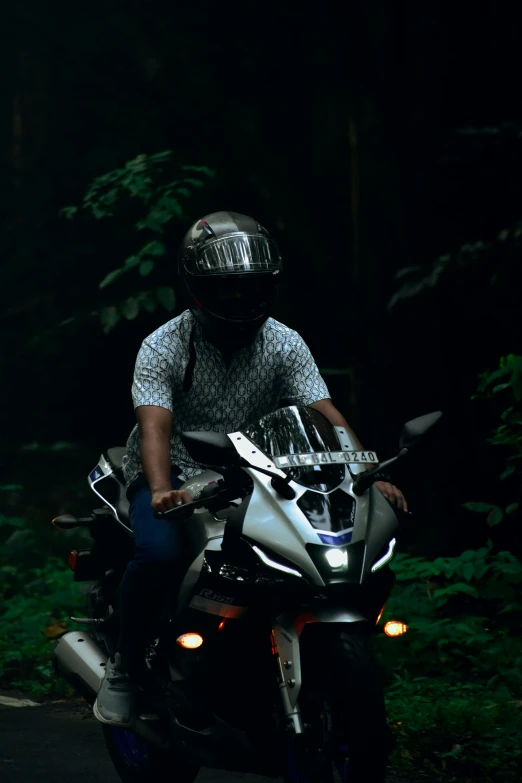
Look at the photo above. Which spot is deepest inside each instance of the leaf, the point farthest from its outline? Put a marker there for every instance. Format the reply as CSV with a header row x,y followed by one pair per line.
x,y
155,248
109,317
68,212
131,262
500,387
53,631
481,508
459,587
10,487
130,308
409,290
166,297
501,372
202,169
110,278
161,156
468,571
12,655
512,508
406,271
517,385
146,268
495,517
11,522
62,445
150,222
196,183
148,301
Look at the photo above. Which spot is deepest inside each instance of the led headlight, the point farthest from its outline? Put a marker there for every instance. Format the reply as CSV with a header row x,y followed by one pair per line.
x,y
336,558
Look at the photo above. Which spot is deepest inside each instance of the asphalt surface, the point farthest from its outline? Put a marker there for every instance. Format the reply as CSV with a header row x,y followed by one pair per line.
x,y
62,741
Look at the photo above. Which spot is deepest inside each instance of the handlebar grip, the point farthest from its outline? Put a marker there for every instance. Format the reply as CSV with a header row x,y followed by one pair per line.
x,y
187,508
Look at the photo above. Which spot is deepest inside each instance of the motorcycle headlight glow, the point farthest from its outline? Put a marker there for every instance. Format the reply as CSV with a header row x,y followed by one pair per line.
x,y
273,564
336,558
387,557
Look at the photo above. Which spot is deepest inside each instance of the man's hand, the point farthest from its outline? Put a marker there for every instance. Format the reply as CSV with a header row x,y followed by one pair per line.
x,y
164,500
392,494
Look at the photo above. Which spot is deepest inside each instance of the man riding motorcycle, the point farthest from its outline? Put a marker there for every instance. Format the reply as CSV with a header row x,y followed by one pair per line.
x,y
219,364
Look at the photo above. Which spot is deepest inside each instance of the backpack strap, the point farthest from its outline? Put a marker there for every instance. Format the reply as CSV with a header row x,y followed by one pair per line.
x,y
189,372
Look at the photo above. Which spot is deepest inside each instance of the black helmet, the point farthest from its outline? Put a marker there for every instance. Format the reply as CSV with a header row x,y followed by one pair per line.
x,y
230,269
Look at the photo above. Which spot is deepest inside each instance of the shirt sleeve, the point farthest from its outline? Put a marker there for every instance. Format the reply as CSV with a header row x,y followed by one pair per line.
x,y
302,383
152,383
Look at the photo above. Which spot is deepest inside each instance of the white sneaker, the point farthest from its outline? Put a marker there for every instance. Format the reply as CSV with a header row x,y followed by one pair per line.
x,y
116,701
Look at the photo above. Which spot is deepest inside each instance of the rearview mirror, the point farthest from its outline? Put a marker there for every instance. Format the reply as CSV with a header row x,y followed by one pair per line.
x,y
210,448
414,430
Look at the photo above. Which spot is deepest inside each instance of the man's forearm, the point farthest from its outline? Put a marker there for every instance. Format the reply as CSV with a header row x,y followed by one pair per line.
x,y
155,459
335,417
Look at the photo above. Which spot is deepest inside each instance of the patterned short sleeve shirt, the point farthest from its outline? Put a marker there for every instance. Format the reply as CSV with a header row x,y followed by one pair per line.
x,y
276,369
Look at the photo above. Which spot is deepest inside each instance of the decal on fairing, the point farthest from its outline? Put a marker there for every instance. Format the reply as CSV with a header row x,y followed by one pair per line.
x,y
95,474
345,538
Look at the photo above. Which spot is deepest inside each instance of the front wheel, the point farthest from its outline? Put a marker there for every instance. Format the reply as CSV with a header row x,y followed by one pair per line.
x,y
346,733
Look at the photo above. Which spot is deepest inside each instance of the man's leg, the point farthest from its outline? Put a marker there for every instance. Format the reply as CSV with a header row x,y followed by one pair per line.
x,y
160,561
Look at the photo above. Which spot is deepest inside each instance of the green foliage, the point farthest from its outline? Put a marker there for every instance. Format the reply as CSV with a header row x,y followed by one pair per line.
x,y
35,607
148,195
454,679
502,388
488,259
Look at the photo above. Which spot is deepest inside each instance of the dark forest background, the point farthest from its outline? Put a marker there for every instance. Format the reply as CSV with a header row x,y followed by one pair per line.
x,y
379,142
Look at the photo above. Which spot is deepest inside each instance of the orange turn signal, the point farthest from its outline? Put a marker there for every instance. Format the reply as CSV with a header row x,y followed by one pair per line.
x,y
72,560
394,628
190,641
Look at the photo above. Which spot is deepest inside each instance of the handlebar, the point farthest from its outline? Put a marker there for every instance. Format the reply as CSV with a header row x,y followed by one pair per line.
x,y
212,499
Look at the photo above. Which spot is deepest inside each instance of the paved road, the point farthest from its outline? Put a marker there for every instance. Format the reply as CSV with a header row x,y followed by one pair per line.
x,y
63,742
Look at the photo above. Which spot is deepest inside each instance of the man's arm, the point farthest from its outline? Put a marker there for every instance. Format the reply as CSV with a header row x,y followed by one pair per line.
x,y
335,417
155,426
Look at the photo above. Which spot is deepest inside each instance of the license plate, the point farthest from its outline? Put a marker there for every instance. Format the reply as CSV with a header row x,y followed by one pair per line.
x,y
326,458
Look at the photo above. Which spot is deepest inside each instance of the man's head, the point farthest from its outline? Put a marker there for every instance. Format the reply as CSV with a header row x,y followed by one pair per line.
x,y
230,269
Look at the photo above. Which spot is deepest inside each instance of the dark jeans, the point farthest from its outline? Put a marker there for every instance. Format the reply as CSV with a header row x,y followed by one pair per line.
x,y
152,579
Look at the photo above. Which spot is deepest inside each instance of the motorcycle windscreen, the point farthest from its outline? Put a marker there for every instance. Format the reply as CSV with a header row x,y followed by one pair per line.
x,y
305,439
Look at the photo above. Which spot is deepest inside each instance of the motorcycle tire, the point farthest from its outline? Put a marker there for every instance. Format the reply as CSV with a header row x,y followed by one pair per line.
x,y
347,737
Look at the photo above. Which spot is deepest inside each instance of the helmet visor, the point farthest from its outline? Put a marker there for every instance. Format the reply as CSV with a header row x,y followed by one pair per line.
x,y
241,253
